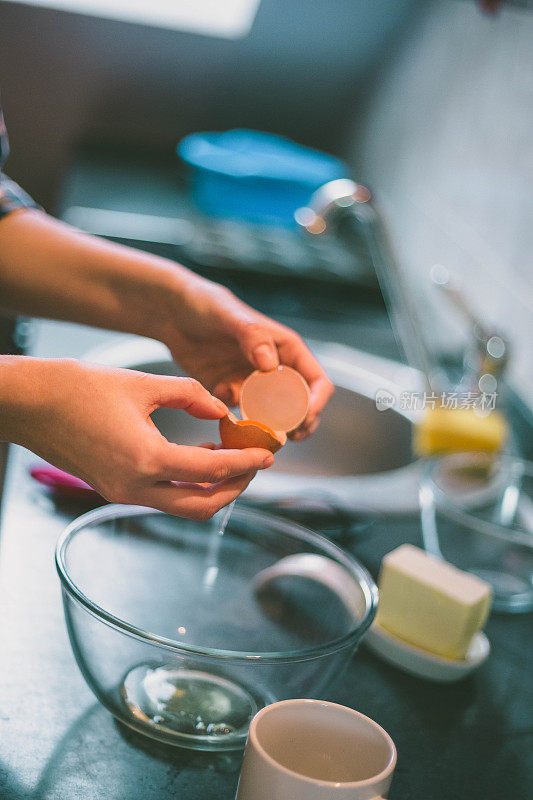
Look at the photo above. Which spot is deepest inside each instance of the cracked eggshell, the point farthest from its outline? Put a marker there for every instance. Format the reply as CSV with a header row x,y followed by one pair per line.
x,y
239,434
278,398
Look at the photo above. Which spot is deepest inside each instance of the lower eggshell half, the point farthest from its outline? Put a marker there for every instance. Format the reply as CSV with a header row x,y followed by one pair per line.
x,y
238,434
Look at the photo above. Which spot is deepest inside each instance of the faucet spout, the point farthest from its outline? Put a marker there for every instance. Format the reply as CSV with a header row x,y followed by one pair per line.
x,y
346,209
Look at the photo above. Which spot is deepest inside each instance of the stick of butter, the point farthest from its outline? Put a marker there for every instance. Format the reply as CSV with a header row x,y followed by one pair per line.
x,y
453,430
430,603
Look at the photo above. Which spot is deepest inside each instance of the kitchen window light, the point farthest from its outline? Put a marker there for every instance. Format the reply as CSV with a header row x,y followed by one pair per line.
x,y
228,19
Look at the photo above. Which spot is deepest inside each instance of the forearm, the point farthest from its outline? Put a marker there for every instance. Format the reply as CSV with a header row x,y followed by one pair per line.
x,y
26,386
48,269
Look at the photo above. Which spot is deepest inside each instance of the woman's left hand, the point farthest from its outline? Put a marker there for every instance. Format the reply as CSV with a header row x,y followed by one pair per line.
x,y
219,340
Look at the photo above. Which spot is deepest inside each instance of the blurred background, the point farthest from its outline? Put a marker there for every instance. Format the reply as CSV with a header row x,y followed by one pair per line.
x,y
428,103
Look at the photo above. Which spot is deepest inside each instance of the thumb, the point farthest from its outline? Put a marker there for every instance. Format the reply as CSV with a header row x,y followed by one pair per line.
x,y
186,394
258,346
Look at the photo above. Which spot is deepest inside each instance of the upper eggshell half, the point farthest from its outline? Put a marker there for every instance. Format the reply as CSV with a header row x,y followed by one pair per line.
x,y
278,398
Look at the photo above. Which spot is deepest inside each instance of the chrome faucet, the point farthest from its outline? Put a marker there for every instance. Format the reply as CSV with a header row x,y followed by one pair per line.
x,y
346,209
487,355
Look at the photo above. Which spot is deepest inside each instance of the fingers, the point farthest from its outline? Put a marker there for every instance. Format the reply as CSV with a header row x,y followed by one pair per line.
x,y
192,500
258,345
306,429
296,354
203,465
321,391
228,391
186,394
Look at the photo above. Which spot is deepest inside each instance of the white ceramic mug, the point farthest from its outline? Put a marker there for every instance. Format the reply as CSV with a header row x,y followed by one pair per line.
x,y
314,750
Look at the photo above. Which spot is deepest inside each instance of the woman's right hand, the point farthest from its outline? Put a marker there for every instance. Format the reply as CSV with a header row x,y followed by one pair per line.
x,y
94,422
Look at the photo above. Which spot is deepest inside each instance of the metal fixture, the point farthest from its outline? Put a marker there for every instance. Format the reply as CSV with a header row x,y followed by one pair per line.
x,y
487,356
346,209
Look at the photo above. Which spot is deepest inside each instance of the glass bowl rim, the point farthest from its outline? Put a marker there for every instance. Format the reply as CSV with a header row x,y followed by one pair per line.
x,y
430,492
115,511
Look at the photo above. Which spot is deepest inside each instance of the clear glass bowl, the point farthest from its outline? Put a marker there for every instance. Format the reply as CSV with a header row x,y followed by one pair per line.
x,y
477,513
178,636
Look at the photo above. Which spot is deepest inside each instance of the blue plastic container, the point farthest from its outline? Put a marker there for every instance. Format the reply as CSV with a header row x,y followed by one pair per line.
x,y
255,176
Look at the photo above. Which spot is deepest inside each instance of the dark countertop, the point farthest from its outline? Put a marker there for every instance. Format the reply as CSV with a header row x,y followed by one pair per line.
x,y
469,740
455,742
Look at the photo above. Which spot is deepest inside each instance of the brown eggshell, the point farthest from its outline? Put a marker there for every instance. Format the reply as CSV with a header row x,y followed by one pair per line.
x,y
279,398
239,434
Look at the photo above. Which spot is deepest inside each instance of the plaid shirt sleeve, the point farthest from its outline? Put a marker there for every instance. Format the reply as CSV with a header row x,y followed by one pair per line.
x,y
11,195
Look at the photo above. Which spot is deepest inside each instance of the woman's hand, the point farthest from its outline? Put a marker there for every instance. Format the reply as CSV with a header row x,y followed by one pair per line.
x,y
219,340
48,269
95,423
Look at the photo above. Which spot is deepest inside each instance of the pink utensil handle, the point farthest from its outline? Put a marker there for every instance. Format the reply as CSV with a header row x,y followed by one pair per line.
x,y
62,483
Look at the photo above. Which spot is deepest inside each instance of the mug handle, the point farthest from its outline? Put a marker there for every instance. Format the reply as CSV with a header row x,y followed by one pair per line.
x,y
317,568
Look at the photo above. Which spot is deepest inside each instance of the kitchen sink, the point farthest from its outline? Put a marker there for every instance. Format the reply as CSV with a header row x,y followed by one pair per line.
x,y
360,459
